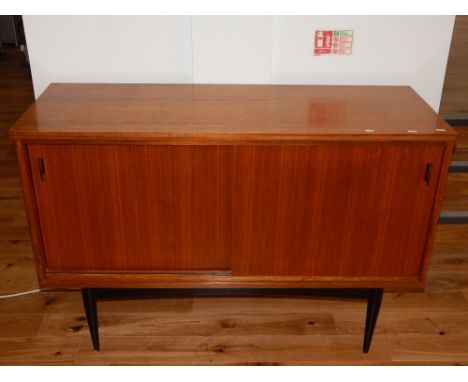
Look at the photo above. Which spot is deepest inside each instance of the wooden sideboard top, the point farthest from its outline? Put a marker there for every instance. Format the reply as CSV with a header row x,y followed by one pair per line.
x,y
189,113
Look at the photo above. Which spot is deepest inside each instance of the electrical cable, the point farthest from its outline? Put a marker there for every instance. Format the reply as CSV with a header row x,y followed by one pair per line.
x,y
23,293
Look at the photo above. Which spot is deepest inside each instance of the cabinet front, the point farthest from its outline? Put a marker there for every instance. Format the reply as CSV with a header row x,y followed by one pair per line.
x,y
360,210
357,210
131,208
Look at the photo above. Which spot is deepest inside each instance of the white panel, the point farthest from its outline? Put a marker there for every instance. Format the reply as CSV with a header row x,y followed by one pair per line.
x,y
231,49
108,49
388,50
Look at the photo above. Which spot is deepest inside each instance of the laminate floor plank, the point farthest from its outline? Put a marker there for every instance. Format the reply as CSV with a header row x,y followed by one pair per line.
x,y
17,272
449,237
417,348
201,324
437,324
392,300
21,350
20,324
456,193
222,349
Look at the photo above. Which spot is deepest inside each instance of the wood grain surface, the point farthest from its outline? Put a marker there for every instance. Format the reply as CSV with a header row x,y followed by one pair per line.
x,y
317,210
332,210
134,208
229,113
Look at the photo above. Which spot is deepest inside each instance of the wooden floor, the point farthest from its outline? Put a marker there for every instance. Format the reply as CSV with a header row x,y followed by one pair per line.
x,y
428,328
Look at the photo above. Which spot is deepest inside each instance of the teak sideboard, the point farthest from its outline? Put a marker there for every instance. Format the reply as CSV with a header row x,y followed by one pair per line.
x,y
231,186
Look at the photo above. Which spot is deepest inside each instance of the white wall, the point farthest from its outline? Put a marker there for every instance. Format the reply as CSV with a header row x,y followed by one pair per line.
x,y
231,49
108,49
387,50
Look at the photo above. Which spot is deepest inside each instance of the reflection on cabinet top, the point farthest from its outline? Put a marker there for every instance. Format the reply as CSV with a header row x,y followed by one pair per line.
x,y
188,113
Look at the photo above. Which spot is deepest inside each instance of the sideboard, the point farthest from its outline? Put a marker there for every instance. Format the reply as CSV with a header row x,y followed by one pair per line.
x,y
231,187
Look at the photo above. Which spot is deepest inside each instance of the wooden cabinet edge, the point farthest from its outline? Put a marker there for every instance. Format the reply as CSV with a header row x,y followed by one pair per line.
x,y
31,209
439,195
232,139
126,280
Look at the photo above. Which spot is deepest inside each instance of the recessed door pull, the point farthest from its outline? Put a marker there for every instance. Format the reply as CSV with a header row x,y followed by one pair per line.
x,y
427,177
41,168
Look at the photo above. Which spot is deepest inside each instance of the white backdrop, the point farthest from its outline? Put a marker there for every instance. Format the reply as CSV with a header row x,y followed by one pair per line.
x,y
387,50
108,49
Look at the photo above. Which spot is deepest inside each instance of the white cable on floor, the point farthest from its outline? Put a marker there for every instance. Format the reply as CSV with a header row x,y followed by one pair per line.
x,y
21,294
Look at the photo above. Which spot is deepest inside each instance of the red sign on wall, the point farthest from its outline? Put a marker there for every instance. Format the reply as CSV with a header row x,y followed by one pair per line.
x,y
333,42
323,42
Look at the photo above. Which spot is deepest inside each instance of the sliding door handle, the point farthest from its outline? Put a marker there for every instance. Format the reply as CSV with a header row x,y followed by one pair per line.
x,y
427,176
41,168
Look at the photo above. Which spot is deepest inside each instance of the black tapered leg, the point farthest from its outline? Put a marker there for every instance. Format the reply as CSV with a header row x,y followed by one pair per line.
x,y
373,307
373,296
89,301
